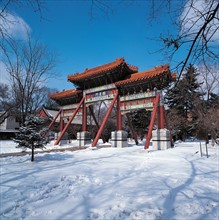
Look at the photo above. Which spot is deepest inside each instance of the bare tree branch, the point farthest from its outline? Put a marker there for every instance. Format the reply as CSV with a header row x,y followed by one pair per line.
x,y
28,64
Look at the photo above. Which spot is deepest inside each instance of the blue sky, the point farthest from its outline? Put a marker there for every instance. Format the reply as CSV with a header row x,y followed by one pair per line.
x,y
85,42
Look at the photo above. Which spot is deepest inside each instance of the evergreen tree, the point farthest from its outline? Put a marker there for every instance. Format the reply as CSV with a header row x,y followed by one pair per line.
x,y
182,101
140,120
213,101
209,119
29,135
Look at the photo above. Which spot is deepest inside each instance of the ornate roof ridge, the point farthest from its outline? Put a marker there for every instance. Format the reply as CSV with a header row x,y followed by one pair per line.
x,y
65,94
132,67
157,70
100,69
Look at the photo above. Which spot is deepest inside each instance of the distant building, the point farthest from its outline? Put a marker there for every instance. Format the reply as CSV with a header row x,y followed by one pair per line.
x,y
8,127
50,114
55,130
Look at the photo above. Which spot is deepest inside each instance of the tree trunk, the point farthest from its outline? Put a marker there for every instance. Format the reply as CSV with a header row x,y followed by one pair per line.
x,y
32,154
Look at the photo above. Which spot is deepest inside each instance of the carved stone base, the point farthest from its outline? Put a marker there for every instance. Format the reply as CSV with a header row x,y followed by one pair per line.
x,y
119,139
64,139
161,139
83,138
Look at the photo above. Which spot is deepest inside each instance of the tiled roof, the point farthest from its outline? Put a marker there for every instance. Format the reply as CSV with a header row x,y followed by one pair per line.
x,y
145,75
101,69
65,94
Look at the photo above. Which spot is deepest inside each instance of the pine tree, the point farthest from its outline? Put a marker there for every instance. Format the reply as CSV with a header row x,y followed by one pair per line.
x,y
29,135
182,101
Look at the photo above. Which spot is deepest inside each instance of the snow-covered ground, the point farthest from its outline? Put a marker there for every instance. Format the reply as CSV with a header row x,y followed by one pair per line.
x,y
111,183
9,146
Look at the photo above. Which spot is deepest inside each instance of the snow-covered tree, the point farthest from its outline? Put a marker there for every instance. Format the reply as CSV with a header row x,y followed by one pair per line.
x,y
208,118
30,135
183,101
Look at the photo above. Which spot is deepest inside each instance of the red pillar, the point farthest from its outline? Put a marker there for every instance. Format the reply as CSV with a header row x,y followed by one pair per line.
x,y
105,120
149,135
119,115
95,121
69,122
161,116
84,117
157,118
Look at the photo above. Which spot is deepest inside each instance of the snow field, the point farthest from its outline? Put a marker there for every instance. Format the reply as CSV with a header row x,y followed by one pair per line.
x,y
9,146
111,183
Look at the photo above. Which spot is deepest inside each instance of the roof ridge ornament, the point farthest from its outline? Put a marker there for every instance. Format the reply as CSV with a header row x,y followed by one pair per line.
x,y
122,59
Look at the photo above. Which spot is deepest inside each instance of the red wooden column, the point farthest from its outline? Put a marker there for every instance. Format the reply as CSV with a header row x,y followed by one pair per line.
x,y
149,135
84,117
96,122
157,118
161,116
119,115
105,120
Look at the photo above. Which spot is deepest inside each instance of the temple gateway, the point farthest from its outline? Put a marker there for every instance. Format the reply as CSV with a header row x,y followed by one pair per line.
x,y
127,90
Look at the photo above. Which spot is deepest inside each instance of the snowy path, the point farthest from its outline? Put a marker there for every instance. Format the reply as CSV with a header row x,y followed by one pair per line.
x,y
112,183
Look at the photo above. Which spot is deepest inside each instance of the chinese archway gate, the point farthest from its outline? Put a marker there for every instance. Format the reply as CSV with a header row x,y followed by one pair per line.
x,y
126,89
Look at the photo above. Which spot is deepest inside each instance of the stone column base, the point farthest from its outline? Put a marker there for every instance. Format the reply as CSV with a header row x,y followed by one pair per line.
x,y
64,139
83,138
119,139
161,139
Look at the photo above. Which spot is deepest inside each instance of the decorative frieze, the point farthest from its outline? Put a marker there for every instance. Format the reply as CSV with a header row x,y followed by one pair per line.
x,y
99,88
148,106
99,96
140,95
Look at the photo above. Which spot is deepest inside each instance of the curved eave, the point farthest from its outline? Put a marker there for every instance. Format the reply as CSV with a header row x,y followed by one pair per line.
x,y
145,76
101,70
66,94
